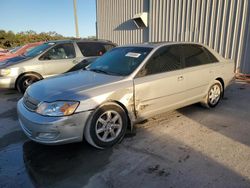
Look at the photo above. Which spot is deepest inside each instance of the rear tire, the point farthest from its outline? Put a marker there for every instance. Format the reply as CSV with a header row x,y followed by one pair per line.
x,y
25,81
106,127
214,95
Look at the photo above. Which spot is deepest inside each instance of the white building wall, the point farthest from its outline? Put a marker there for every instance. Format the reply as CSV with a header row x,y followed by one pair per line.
x,y
114,20
220,24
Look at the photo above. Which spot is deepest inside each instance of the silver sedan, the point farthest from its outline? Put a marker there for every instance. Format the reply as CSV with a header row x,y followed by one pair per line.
x,y
124,86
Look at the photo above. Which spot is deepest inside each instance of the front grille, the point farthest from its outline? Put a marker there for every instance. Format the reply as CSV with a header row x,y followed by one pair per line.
x,y
30,103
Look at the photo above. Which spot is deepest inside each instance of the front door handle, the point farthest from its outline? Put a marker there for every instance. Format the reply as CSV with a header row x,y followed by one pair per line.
x,y
180,78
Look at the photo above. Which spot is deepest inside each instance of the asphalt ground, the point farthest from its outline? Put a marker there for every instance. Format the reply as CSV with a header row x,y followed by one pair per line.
x,y
189,147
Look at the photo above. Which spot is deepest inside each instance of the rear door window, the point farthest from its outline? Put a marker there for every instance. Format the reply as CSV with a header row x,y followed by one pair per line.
x,y
195,55
90,49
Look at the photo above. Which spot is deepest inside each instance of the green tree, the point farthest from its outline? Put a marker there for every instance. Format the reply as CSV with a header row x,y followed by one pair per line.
x,y
8,39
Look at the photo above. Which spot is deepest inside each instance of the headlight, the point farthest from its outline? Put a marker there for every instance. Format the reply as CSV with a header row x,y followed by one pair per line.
x,y
58,108
5,72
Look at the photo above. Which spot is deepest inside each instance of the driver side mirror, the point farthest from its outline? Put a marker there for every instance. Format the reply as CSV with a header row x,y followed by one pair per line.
x,y
142,72
45,57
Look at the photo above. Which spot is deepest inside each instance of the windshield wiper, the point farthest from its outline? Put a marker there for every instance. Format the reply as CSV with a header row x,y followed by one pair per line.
x,y
99,71
105,72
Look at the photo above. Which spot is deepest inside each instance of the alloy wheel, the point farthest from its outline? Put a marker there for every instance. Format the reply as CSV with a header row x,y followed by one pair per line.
x,y
214,94
108,126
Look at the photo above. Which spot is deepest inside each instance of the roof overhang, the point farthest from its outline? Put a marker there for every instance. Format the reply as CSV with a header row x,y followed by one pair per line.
x,y
141,20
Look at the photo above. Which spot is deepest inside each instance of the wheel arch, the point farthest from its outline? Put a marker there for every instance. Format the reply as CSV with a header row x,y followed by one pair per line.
x,y
130,125
222,83
122,106
28,73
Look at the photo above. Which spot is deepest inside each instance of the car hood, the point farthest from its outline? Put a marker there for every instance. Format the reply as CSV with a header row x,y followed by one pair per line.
x,y
13,61
69,86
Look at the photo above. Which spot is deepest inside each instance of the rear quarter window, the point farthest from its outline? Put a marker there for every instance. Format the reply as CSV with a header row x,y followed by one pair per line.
x,y
90,49
211,56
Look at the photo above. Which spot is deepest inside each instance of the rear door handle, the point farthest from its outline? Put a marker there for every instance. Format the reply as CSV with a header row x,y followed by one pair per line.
x,y
180,78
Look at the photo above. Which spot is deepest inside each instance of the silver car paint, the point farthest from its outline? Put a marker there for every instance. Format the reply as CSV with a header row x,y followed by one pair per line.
x,y
68,128
141,97
91,88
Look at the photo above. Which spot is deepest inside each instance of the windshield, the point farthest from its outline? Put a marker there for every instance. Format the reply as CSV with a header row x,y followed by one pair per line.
x,y
120,61
38,49
13,50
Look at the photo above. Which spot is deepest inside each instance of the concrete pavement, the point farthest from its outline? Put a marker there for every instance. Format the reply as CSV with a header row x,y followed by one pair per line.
x,y
190,147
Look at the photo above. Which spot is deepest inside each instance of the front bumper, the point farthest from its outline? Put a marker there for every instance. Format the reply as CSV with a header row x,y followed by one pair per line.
x,y
7,82
52,130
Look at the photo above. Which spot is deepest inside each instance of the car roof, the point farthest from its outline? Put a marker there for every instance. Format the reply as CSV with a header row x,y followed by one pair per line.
x,y
79,40
158,44
155,45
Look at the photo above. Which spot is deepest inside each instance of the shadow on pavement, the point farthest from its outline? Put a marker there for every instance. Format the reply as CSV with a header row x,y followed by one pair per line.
x,y
69,165
230,118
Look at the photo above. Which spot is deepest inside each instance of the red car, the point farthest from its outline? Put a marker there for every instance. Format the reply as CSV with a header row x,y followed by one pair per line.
x,y
18,51
3,51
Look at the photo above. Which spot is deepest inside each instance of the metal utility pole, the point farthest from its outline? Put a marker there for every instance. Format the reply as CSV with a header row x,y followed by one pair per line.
x,y
76,19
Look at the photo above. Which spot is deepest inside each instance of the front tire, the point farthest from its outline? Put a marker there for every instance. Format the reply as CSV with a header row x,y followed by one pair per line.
x,y
106,127
25,81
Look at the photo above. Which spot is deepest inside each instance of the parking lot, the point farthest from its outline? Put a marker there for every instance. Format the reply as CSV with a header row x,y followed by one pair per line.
x,y
190,147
